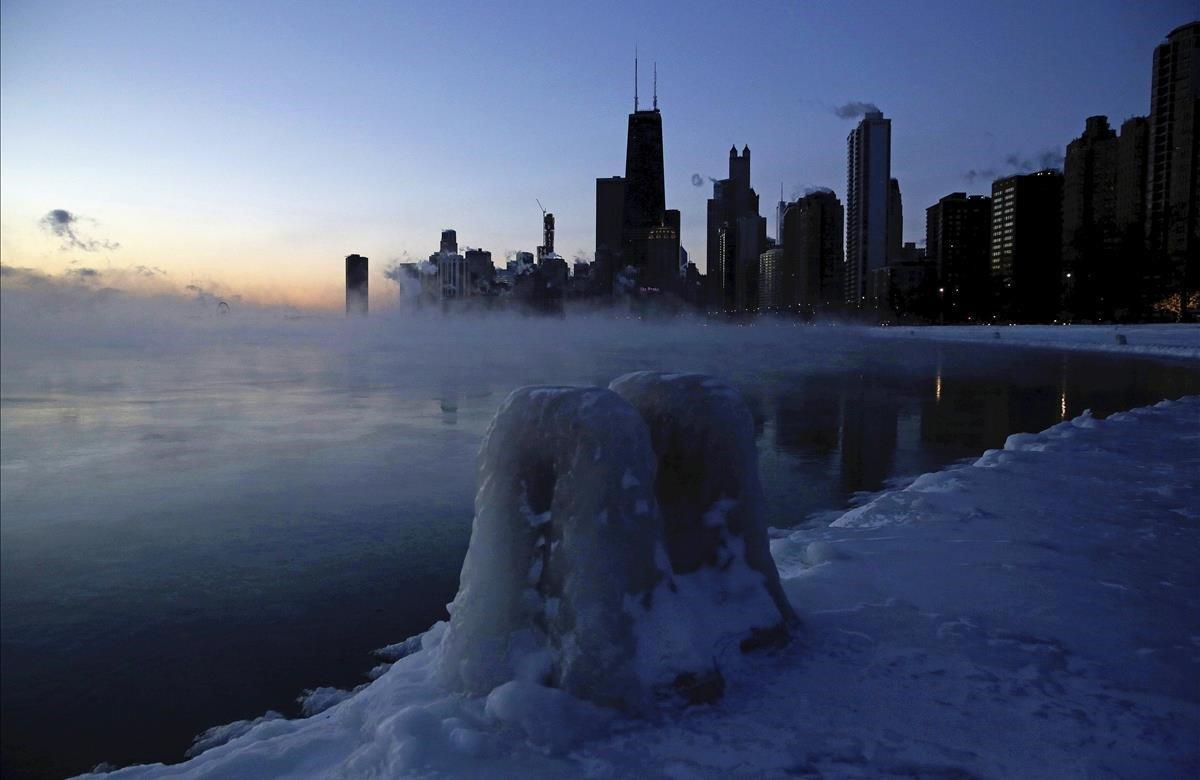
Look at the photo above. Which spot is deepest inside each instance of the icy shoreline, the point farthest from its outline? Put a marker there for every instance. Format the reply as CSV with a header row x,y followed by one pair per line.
x,y
1033,613
1168,341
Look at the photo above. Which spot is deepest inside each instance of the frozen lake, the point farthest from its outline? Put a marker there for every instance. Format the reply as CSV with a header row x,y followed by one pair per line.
x,y
201,520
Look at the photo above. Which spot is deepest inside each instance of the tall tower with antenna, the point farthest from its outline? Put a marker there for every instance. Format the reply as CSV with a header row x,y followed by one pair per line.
x,y
649,232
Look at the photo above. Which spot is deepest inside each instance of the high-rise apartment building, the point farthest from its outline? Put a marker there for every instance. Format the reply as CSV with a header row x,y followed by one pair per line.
x,y
1026,236
1104,191
957,242
811,231
1089,219
1172,199
868,192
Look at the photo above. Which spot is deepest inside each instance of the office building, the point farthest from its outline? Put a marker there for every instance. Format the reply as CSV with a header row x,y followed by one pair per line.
x,y
737,235
610,205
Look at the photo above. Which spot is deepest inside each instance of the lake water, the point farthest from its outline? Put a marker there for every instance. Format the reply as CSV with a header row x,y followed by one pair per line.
x,y
198,525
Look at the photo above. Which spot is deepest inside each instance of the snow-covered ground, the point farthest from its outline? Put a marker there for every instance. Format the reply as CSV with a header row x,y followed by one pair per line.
x,y
1179,341
1034,613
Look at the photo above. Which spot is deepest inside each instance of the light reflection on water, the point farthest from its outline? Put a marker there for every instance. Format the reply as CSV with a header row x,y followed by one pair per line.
x,y
187,542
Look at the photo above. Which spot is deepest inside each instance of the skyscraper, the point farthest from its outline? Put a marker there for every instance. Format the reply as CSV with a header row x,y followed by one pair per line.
x,y
957,243
356,285
1173,203
610,205
449,244
633,226
868,188
546,248
895,224
811,232
646,229
1089,219
1026,246
737,236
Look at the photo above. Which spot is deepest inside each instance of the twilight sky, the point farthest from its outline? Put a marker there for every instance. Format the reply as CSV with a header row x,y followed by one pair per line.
x,y
249,146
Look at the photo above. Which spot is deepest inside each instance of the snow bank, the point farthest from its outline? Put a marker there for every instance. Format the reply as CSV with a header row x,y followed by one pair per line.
x,y
1035,613
1172,341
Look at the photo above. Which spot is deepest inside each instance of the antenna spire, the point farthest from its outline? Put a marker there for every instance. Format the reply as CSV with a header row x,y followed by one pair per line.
x,y
656,85
635,80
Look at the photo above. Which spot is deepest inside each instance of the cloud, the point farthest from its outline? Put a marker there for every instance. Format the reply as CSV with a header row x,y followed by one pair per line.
x,y
1018,163
65,225
698,180
854,109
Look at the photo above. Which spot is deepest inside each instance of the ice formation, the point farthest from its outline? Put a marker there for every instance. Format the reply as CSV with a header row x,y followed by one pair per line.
x,y
573,581
708,487
564,539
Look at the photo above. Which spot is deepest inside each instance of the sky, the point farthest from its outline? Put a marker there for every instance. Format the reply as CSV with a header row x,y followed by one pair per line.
x,y
247,147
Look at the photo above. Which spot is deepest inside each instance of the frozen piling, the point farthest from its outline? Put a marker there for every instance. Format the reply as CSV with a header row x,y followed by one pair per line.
x,y
618,546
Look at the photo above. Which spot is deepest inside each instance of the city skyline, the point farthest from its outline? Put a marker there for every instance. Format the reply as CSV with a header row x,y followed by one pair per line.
x,y
258,181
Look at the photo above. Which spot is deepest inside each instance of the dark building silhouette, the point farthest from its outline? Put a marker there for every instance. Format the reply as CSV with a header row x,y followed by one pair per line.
x,y
895,236
449,243
1131,290
811,230
737,236
1104,194
905,288
356,285
957,244
481,271
1089,220
771,273
1173,200
1026,246
649,233
547,247
610,206
868,193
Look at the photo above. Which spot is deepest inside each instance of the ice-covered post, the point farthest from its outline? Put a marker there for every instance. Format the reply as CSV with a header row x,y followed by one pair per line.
x,y
563,542
708,488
